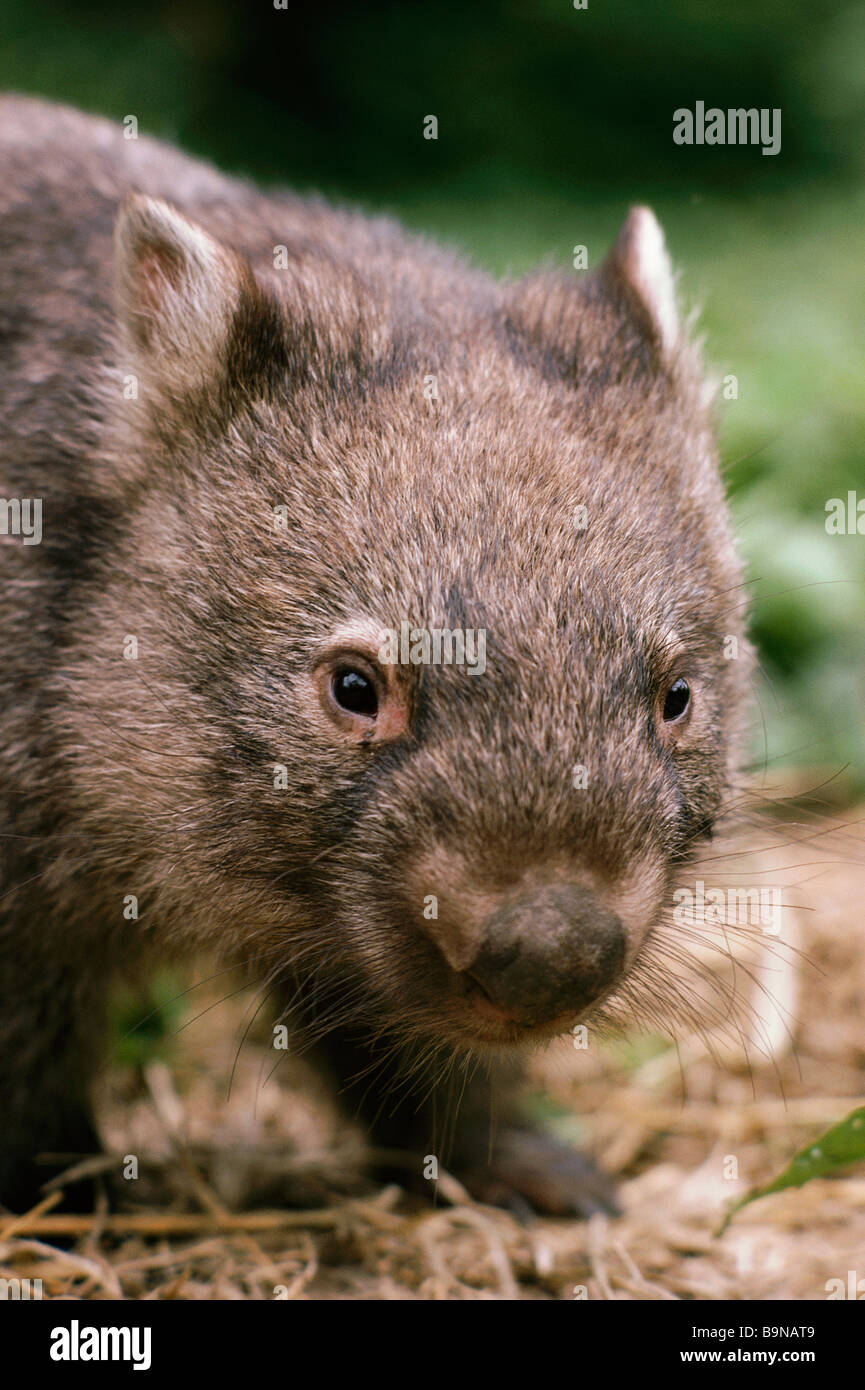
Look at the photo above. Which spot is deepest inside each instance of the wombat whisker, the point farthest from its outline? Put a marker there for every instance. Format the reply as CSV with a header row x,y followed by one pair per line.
x,y
456,1077
828,825
753,815
793,589
736,999
763,725
262,996
193,760
55,835
663,1005
439,1076
760,670
215,1005
689,609
664,948
786,843
727,464
704,933
43,873
796,797
171,710
175,998
739,1009
398,1083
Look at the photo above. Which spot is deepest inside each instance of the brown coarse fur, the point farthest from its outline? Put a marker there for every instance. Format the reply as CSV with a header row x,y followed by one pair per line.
x,y
278,479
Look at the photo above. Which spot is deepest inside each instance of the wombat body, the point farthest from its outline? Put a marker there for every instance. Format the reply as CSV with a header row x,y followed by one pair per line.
x,y
264,433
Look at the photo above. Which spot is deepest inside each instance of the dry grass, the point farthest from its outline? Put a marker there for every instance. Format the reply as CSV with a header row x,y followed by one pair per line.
x,y
205,1225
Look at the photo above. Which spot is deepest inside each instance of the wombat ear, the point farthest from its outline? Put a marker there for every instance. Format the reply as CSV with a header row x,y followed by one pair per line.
x,y
177,291
638,266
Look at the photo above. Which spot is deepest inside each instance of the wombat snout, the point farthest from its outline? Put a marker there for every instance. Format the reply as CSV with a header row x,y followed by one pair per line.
x,y
550,952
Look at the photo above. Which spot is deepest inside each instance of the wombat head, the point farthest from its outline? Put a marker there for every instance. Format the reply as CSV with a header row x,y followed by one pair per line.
x,y
439,665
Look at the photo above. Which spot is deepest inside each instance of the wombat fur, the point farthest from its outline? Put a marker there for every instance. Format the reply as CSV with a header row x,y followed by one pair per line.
x,y
253,461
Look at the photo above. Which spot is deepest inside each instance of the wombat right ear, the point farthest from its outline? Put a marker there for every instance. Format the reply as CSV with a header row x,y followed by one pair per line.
x,y
639,267
177,292
622,315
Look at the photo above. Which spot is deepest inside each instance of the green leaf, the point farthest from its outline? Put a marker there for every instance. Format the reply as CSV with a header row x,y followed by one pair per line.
x,y
144,1019
840,1146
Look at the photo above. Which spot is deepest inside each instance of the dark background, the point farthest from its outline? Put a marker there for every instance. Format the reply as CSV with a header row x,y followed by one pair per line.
x,y
531,93
551,121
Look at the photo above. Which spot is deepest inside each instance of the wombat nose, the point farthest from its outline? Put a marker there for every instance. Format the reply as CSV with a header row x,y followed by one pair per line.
x,y
551,952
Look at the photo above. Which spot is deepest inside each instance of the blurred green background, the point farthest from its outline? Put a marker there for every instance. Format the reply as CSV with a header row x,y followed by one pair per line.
x,y
551,121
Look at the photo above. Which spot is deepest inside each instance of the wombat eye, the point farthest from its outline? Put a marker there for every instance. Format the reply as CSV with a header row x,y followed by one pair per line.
x,y
365,702
677,700
354,693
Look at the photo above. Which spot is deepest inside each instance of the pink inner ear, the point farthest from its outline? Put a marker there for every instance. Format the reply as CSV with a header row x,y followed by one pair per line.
x,y
159,271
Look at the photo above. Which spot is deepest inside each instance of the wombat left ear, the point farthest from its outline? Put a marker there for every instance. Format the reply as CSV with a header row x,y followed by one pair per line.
x,y
177,291
639,267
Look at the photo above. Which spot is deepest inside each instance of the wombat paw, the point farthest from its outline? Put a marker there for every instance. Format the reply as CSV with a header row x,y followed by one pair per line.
x,y
532,1173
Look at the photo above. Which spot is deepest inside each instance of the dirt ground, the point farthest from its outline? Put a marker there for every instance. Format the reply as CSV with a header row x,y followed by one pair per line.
x,y
683,1132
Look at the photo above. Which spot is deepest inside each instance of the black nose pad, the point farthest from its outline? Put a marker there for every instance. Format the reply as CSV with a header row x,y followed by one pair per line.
x,y
553,951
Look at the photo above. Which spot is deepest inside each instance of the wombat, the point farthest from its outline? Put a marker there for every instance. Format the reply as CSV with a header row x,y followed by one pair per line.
x,y
377,635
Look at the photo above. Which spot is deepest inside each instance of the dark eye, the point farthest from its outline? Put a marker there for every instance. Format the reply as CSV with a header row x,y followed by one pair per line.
x,y
677,701
354,693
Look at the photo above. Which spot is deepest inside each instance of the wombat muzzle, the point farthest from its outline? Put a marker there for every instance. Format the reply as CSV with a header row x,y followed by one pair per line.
x,y
551,952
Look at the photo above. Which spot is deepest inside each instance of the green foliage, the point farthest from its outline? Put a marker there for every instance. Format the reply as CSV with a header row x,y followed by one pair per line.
x,y
638,1049
336,92
543,1112
144,1020
840,1146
